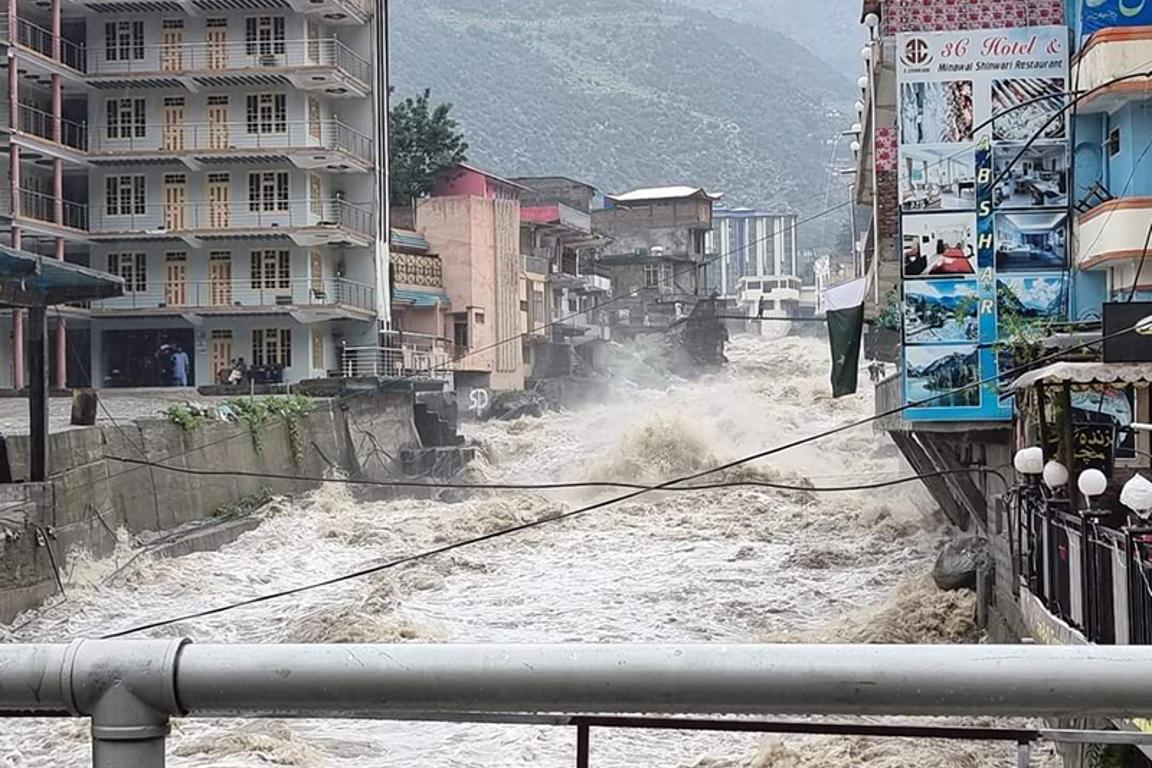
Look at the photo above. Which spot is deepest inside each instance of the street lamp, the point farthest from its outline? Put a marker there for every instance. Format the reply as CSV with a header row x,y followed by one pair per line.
x,y
1055,475
1137,496
872,21
1092,483
1029,461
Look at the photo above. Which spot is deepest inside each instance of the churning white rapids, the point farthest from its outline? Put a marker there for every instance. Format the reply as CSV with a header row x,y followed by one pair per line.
x,y
734,565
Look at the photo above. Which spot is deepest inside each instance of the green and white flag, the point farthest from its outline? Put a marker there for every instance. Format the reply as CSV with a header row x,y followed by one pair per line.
x,y
844,305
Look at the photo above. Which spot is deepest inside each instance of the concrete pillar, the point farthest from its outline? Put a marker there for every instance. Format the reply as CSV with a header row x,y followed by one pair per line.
x,y
18,348
61,334
38,394
13,89
58,190
56,30
57,109
14,160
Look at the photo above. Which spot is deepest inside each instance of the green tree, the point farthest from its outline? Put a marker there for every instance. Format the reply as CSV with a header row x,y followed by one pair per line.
x,y
425,141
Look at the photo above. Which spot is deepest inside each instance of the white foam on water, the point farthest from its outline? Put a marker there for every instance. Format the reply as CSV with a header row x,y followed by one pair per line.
x,y
732,565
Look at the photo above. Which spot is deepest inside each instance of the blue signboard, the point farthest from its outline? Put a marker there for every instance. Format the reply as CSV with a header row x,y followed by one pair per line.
x,y
1100,14
984,210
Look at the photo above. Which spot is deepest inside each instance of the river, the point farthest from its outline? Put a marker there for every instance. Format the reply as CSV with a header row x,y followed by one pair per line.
x,y
733,565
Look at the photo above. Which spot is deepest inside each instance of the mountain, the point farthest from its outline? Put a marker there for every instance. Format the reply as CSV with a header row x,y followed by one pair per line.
x,y
627,95
1031,298
953,368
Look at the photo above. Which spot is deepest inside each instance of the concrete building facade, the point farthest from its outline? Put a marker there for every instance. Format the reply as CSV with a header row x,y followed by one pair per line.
x,y
225,160
749,243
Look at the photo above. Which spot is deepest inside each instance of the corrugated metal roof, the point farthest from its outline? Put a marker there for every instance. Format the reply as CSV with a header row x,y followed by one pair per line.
x,y
1087,373
663,193
420,298
405,238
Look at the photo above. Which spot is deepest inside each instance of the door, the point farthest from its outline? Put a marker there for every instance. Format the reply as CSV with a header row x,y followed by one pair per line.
x,y
216,36
175,131
221,354
314,127
176,279
316,270
220,279
218,135
218,201
314,33
172,52
175,201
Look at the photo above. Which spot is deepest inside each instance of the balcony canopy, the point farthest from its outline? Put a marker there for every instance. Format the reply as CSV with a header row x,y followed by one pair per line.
x,y
28,280
1139,374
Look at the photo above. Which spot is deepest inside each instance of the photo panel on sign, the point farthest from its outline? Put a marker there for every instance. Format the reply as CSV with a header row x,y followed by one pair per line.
x,y
939,244
938,178
1038,178
1030,242
942,376
1024,108
1031,299
939,311
936,112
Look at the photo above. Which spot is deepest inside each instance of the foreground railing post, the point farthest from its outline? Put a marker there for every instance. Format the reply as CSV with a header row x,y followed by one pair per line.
x,y
127,733
1024,755
583,745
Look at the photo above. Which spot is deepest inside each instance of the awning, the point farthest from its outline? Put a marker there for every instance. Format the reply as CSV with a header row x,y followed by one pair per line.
x,y
28,280
420,298
1088,373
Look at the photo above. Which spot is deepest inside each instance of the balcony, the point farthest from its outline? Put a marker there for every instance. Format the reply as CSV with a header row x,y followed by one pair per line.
x,y
1109,54
535,265
1114,231
41,124
40,41
337,12
417,269
328,144
326,65
37,206
407,355
332,296
305,222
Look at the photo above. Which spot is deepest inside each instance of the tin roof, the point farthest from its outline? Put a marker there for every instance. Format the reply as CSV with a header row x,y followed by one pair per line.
x,y
1087,373
663,193
29,280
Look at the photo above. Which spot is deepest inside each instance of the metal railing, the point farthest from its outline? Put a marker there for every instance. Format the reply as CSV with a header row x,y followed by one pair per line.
x,y
229,136
42,207
42,124
161,218
225,56
536,265
131,689
36,38
242,294
406,355
417,269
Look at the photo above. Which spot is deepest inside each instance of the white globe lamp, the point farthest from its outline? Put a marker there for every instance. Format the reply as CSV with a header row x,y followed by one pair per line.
x,y
1137,496
1092,483
1029,461
1055,475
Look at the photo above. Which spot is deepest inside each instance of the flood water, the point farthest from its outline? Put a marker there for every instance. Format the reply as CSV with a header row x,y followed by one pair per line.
x,y
732,565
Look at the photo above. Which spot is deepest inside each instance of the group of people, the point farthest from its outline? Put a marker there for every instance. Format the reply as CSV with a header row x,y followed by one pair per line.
x,y
235,373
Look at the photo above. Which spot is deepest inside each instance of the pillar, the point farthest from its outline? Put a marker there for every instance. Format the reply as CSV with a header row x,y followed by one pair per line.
x,y
56,30
61,334
14,166
38,393
58,190
13,88
17,326
57,109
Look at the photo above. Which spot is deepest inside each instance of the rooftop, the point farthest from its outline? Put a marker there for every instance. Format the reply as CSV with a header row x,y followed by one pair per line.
x,y
664,193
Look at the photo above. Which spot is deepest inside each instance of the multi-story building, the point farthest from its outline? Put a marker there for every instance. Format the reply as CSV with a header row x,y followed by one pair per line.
x,y
751,243
224,159
556,240
657,249
472,220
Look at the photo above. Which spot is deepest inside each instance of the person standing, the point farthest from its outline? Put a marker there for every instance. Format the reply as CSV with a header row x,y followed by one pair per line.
x,y
180,367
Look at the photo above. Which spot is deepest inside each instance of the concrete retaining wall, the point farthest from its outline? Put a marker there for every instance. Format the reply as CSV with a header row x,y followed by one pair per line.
x,y
93,492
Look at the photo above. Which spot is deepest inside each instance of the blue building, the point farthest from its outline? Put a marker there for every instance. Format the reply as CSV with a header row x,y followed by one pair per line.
x,y
752,243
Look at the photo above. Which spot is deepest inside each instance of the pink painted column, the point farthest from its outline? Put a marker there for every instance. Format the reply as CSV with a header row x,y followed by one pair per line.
x,y
13,92
61,334
57,109
14,159
58,190
56,30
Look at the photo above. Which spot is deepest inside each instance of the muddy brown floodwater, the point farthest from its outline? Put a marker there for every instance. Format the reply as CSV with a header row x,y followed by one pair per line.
x,y
732,565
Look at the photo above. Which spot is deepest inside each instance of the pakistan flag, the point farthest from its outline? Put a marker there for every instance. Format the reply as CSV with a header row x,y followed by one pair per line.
x,y
844,305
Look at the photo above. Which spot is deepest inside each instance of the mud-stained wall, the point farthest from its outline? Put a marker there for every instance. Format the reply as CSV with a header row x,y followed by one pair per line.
x,y
94,492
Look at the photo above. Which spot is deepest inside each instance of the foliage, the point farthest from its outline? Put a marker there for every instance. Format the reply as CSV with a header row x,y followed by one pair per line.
x,y
257,411
425,141
244,506
890,316
187,415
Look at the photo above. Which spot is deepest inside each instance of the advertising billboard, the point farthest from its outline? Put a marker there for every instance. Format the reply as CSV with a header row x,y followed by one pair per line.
x,y
983,201
1100,14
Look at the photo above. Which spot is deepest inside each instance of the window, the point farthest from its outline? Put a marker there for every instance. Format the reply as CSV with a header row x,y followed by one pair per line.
x,y
172,24
124,195
267,113
133,268
124,40
271,269
698,241
651,275
316,195
1114,142
272,346
460,330
479,318
268,191
124,118
318,349
537,315
666,275
264,35
216,23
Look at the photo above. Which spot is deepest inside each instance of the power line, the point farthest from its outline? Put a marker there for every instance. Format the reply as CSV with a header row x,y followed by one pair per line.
x,y
607,502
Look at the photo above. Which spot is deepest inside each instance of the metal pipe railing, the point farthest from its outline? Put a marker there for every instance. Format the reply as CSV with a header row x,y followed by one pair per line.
x,y
258,133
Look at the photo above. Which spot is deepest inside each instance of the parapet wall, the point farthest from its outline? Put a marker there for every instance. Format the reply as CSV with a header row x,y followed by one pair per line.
x,y
93,492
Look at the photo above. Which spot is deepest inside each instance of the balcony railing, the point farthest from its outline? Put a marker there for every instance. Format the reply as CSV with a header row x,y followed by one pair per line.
x,y
217,57
415,269
536,265
237,136
41,124
42,207
222,216
42,41
243,294
408,355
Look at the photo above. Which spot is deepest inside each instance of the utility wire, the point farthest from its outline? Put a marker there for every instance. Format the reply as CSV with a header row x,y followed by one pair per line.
x,y
370,570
